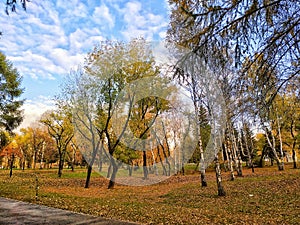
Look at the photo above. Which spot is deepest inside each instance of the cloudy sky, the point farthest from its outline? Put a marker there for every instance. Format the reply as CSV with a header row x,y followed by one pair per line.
x,y
54,36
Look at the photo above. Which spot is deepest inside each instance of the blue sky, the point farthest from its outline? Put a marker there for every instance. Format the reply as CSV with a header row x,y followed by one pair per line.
x,y
53,37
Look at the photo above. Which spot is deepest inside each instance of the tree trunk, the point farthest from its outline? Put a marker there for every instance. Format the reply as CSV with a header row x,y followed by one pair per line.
x,y
109,171
90,166
221,191
230,163
202,164
237,157
280,163
261,161
145,169
294,156
112,180
182,169
294,159
240,166
130,168
250,163
60,164
88,176
203,176
11,165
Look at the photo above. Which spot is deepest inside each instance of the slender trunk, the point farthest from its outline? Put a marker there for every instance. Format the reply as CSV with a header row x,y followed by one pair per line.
x,y
73,159
240,166
182,163
11,165
130,168
161,161
167,171
159,155
42,156
203,175
88,176
202,162
182,169
221,191
145,169
100,157
60,167
279,162
236,156
112,180
61,162
154,162
261,161
109,171
34,159
294,156
230,164
280,139
90,166
250,163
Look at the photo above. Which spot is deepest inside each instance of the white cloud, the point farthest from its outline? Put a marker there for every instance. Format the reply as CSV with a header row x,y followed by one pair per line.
x,y
139,22
52,37
34,109
103,17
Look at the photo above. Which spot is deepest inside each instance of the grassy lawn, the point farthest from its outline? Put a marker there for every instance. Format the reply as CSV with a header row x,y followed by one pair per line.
x,y
268,196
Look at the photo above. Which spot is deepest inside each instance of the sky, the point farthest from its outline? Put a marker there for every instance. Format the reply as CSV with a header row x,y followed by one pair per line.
x,y
52,37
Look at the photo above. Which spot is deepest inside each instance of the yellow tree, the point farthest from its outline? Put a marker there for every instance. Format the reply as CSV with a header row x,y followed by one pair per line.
x,y
60,127
288,117
120,74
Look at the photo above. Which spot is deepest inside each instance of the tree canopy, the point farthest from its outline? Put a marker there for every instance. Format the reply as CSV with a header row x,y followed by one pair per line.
x,y
10,91
243,32
11,5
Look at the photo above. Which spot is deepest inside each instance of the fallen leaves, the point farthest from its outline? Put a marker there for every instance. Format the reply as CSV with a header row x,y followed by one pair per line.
x,y
265,197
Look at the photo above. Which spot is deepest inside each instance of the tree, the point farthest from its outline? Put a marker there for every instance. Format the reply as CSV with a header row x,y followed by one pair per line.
x,y
123,76
36,145
59,124
80,95
205,89
10,91
244,29
289,120
11,5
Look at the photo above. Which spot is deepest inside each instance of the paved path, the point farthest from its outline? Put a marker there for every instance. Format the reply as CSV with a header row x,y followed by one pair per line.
x,y
19,213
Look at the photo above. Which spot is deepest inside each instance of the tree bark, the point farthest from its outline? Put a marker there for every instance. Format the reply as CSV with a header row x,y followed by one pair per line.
x,y
294,154
88,176
294,158
279,161
202,163
112,180
11,165
145,168
250,163
221,191
237,156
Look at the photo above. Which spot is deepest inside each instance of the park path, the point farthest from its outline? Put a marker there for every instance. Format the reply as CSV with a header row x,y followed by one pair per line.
x,y
18,213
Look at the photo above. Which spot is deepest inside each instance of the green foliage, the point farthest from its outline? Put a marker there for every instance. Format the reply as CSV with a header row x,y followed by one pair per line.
x,y
10,91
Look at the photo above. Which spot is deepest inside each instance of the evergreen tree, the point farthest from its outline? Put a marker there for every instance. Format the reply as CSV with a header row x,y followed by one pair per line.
x,y
10,113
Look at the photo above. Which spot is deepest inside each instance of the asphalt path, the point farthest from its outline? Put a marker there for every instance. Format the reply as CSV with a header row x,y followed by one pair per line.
x,y
19,213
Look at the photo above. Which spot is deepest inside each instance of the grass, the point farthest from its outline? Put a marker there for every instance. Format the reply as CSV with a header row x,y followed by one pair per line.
x,y
268,196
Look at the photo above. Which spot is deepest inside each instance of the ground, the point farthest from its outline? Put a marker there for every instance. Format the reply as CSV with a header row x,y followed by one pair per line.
x,y
267,196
